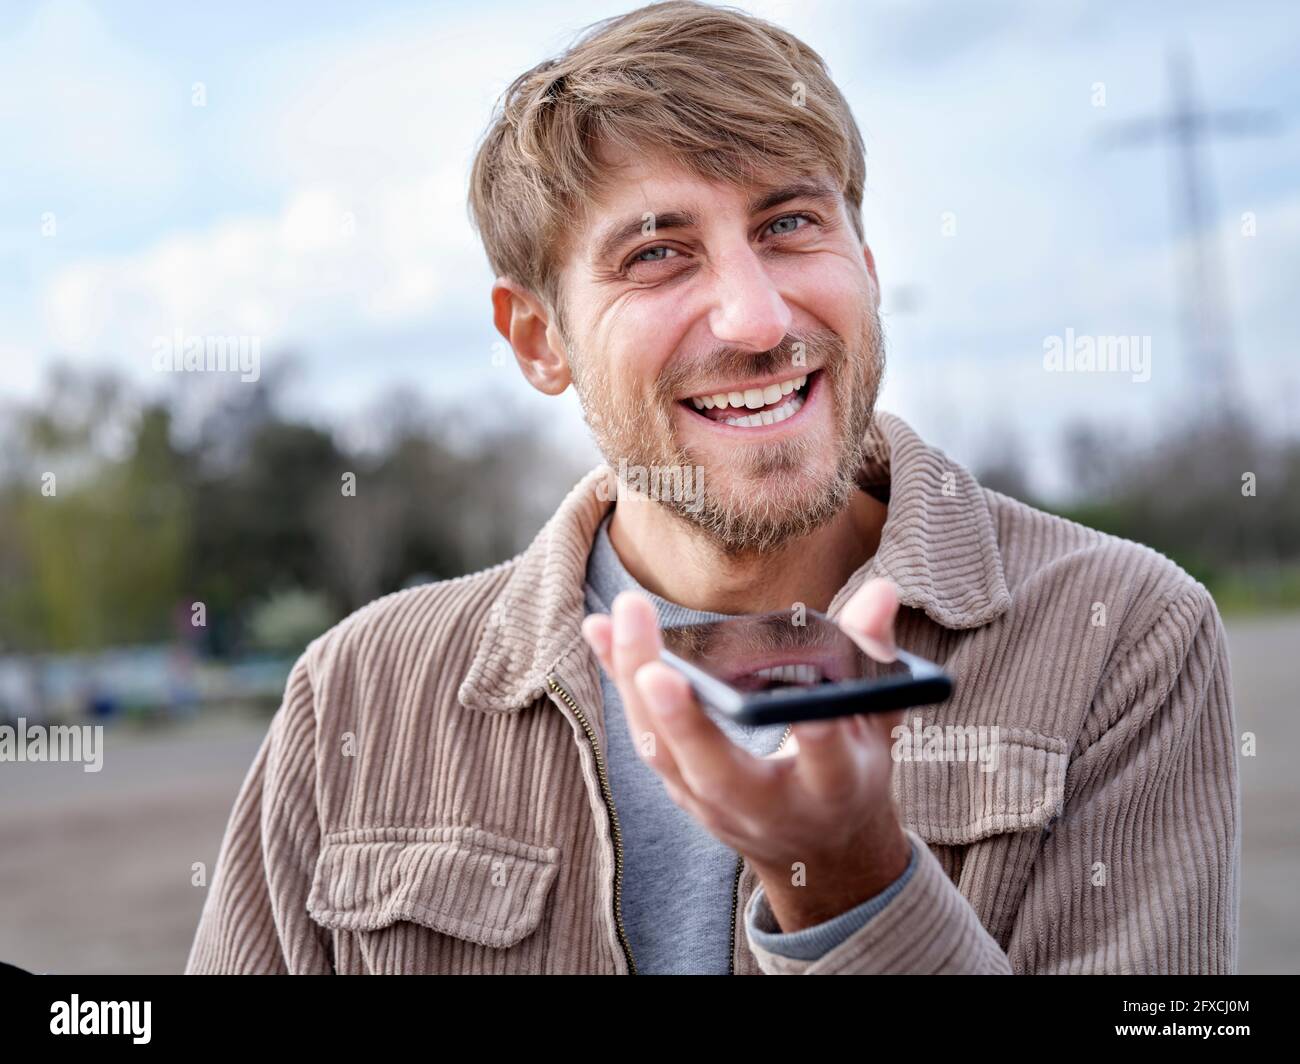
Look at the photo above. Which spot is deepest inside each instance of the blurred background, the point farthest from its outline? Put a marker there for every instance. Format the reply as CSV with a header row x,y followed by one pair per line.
x,y
287,182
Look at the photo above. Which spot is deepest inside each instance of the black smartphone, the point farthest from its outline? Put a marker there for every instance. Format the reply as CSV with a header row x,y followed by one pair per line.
x,y
767,669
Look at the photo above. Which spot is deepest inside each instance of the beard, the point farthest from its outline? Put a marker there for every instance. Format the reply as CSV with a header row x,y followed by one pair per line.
x,y
766,494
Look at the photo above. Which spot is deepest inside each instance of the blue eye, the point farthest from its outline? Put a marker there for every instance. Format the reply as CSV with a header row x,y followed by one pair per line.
x,y
789,218
637,257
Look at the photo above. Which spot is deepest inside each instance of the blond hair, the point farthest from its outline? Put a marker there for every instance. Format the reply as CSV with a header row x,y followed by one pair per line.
x,y
727,95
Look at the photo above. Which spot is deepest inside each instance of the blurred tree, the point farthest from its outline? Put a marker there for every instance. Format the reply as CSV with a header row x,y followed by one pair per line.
x,y
100,559
1188,493
1002,467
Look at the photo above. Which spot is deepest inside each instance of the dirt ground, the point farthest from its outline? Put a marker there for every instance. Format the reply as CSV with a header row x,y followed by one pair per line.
x,y
96,869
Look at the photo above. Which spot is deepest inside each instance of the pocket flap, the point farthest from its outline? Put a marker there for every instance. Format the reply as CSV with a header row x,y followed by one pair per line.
x,y
1016,782
461,881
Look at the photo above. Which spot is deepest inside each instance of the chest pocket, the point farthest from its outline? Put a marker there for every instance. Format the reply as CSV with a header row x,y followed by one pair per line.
x,y
986,825
392,886
1015,782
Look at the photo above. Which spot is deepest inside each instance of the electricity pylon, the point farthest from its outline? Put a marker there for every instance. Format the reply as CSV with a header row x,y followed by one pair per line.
x,y
1206,317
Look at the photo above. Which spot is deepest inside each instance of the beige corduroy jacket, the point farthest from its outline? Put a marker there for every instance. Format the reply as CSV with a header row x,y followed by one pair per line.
x,y
432,796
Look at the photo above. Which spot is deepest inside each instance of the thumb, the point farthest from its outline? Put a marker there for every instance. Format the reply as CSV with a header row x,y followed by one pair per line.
x,y
868,617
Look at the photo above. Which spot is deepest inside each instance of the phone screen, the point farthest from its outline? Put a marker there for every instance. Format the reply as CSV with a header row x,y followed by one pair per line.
x,y
769,651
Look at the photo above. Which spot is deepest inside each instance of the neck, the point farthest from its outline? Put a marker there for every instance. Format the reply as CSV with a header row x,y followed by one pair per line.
x,y
678,563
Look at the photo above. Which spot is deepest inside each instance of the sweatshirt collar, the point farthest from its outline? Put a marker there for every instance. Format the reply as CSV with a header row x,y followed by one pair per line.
x,y
939,546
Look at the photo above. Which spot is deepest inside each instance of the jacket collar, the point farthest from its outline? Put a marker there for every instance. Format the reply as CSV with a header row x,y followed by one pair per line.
x,y
938,545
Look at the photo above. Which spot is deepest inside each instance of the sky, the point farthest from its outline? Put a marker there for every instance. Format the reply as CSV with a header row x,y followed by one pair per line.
x,y
298,172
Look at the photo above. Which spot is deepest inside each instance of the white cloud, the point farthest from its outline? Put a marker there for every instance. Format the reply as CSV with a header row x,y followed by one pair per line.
x,y
370,137
324,262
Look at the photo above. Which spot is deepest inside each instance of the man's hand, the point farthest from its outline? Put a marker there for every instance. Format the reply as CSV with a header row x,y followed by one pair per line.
x,y
821,812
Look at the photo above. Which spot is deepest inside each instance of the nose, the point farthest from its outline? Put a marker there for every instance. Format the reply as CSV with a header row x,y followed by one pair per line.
x,y
748,310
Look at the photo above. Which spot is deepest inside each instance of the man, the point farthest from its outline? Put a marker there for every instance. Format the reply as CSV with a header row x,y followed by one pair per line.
x,y
494,774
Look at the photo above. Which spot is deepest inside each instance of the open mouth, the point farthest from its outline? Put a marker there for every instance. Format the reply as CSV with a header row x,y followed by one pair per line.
x,y
786,673
756,406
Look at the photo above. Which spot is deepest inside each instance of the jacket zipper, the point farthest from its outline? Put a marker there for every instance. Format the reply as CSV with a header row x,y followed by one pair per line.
x,y
608,796
735,885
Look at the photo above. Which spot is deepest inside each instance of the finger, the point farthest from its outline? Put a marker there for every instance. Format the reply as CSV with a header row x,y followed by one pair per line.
x,y
634,641
715,821
668,697
868,617
830,762
597,629
717,773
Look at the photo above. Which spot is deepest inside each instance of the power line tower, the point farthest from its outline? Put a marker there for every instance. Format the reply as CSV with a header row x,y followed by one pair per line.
x,y
1206,318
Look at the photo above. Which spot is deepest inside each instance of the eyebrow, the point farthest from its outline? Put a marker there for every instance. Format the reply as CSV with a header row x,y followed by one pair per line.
x,y
618,234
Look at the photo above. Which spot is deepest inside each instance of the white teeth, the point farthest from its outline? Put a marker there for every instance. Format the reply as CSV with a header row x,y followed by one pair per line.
x,y
768,417
750,398
795,674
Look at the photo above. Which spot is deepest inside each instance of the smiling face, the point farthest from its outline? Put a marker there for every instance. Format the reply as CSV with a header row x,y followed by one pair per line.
x,y
728,327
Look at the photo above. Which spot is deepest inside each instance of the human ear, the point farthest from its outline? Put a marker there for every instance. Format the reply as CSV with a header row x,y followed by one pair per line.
x,y
871,269
523,320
